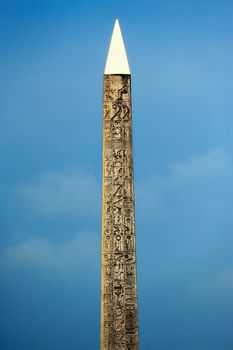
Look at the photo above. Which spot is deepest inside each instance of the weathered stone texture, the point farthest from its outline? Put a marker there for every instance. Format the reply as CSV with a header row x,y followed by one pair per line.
x,y
119,314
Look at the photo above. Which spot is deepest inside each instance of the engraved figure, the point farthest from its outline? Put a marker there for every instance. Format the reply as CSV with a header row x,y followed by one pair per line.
x,y
126,111
116,130
107,111
129,243
123,90
118,243
119,271
118,108
107,243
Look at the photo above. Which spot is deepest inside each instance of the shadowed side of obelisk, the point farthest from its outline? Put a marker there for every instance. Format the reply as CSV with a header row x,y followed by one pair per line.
x,y
119,315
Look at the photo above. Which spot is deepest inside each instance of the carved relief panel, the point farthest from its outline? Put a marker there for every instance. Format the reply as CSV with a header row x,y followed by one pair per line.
x,y
119,321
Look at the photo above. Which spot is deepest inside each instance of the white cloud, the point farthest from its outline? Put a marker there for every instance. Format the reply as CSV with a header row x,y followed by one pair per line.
x,y
188,213
211,169
64,194
38,253
214,163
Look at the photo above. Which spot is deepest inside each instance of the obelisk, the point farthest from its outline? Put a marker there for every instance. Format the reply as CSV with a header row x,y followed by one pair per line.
x,y
119,311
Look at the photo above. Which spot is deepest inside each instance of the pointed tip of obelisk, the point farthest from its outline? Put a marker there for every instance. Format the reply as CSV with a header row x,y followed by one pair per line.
x,y
117,62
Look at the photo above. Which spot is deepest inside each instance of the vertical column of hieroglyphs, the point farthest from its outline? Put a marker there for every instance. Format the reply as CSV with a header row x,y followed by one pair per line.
x,y
119,319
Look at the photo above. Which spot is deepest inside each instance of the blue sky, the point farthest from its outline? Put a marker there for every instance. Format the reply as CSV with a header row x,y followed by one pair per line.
x,y
51,68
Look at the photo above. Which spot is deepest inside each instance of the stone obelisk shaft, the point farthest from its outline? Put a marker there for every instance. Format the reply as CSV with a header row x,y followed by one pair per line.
x,y
119,315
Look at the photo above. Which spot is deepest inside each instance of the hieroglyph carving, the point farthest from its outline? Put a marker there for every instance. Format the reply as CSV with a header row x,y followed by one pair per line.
x,y
119,314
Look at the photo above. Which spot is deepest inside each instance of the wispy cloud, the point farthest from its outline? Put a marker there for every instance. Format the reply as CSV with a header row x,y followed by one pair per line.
x,y
217,289
66,193
217,162
42,254
206,177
